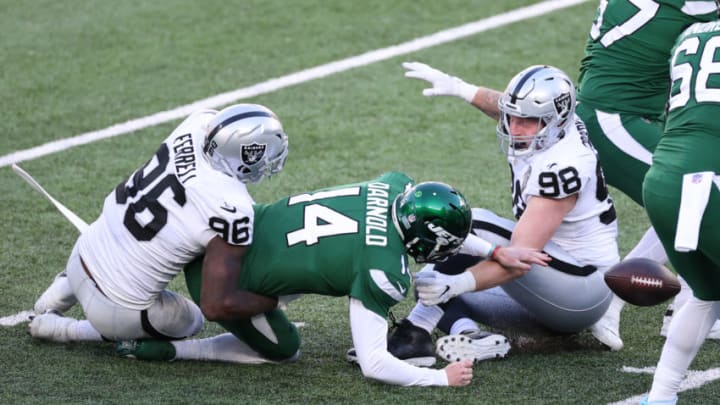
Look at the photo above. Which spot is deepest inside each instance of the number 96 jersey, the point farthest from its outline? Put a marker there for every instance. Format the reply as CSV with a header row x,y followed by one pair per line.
x,y
164,216
588,232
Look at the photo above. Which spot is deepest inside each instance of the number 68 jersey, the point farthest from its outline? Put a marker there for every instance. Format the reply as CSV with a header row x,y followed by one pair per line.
x,y
589,231
163,216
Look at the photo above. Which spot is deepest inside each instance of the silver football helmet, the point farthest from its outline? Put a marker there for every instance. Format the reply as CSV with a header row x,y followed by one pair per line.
x,y
542,92
246,141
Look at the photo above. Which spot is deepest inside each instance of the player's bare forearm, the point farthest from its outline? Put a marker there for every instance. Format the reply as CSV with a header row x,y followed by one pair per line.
x,y
489,274
486,100
220,298
244,304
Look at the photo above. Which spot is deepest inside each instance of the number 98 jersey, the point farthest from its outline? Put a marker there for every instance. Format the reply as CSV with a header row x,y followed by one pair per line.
x,y
163,216
588,232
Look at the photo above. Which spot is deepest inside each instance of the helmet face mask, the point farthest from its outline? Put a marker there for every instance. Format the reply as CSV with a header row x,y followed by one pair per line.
x,y
433,220
246,141
544,93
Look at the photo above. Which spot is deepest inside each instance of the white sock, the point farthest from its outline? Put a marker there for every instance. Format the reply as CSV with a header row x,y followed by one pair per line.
x,y
616,306
684,294
463,324
225,347
682,345
82,330
649,247
426,317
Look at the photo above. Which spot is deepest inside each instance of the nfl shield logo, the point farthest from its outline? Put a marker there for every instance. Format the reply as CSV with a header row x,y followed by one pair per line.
x,y
252,153
697,178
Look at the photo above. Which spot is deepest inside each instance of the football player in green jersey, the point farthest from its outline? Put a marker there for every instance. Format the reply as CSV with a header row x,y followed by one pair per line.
x,y
348,240
623,83
683,202
622,92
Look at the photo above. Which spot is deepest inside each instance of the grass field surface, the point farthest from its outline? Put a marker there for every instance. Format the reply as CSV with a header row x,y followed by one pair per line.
x,y
74,67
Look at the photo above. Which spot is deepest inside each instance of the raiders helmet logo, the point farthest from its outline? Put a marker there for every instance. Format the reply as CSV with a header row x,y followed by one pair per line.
x,y
252,153
562,104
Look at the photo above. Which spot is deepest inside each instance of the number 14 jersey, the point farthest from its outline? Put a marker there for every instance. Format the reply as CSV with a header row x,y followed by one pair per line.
x,y
163,216
337,241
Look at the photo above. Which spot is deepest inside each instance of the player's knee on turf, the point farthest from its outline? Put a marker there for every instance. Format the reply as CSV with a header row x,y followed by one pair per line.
x,y
271,334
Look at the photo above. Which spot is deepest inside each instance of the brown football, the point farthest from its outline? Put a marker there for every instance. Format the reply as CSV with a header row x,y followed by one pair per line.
x,y
642,282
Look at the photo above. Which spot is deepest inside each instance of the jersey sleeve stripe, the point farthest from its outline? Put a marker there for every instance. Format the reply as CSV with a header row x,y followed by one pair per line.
x,y
380,279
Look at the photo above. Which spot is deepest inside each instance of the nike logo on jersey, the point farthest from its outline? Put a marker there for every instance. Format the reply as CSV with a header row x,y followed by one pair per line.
x,y
401,288
229,208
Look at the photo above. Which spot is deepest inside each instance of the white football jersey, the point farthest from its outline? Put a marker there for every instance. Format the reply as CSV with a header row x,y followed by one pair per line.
x,y
570,166
163,217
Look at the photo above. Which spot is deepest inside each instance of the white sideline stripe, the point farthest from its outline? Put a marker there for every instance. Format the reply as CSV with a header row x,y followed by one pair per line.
x,y
694,379
15,319
302,76
24,316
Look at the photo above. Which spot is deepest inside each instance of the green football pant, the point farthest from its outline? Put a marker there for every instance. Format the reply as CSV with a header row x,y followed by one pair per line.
x,y
271,334
625,144
700,268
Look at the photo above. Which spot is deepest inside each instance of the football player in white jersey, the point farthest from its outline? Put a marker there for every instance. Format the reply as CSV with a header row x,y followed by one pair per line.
x,y
189,199
562,205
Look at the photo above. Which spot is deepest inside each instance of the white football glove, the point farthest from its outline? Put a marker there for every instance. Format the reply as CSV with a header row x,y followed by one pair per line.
x,y
435,288
442,83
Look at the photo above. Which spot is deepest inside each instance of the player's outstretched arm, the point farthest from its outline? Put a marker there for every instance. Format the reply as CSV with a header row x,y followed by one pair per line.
x,y
220,299
459,373
485,99
369,333
511,257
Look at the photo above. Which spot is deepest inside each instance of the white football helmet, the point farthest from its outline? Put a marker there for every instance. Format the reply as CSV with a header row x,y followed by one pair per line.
x,y
246,141
542,92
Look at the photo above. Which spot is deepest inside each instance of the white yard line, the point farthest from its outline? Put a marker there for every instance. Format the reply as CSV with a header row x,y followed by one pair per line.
x,y
302,76
694,379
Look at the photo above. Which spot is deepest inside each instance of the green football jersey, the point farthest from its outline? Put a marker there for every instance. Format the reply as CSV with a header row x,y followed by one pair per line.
x,y
336,241
625,68
694,106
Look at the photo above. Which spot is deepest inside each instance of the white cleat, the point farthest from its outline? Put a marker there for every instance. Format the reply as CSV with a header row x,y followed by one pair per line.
x,y
58,297
607,328
607,331
51,326
472,345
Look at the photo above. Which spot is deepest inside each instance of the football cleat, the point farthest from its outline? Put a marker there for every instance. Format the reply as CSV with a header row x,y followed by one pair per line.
x,y
146,349
607,328
472,345
412,344
409,343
